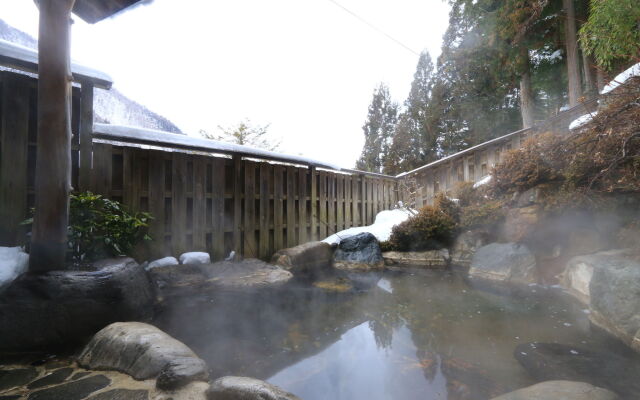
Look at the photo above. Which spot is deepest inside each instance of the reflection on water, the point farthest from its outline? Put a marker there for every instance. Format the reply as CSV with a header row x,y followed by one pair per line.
x,y
413,336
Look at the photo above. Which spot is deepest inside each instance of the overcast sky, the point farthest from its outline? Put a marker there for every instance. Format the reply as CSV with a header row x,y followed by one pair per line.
x,y
307,67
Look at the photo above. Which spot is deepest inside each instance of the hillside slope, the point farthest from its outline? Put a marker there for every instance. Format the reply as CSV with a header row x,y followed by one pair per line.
x,y
110,106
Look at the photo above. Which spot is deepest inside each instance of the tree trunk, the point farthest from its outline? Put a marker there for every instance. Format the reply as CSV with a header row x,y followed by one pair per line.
x,y
53,164
571,42
526,97
589,73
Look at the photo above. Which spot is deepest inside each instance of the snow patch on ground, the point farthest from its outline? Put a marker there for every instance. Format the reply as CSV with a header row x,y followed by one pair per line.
x,y
582,120
622,78
381,228
13,263
482,181
195,257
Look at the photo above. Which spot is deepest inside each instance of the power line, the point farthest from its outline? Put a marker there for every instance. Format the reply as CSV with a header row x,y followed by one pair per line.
x,y
372,26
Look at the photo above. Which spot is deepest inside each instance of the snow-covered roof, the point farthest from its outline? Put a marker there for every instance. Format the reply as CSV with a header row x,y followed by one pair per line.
x,y
135,135
463,152
621,78
25,59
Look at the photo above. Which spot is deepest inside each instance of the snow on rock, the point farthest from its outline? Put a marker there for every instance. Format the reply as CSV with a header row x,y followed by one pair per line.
x,y
162,262
381,228
13,263
582,120
195,257
622,78
482,181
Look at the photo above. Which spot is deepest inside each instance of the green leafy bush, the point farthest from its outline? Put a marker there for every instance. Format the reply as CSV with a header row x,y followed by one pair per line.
x,y
431,228
386,245
99,228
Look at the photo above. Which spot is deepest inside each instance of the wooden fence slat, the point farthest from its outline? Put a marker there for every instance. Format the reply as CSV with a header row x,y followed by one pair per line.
x,y
323,205
265,173
199,204
348,201
156,202
217,208
355,192
250,245
302,205
314,204
292,240
127,176
339,203
14,136
238,185
179,203
331,197
101,174
86,131
278,204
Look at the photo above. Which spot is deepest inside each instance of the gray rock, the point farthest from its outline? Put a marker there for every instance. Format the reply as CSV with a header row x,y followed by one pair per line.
x,y
309,259
75,390
162,262
225,276
504,262
465,246
520,223
55,377
16,377
615,296
554,361
49,306
121,394
241,388
565,390
144,352
398,260
358,253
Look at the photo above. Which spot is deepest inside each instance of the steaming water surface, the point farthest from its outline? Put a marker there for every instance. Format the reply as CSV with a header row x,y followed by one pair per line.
x,y
412,336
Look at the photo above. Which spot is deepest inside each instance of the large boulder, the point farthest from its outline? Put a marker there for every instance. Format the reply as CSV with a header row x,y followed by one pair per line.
x,y
248,275
398,260
559,390
554,361
615,296
310,259
465,246
504,262
242,388
143,352
584,241
359,253
62,308
520,223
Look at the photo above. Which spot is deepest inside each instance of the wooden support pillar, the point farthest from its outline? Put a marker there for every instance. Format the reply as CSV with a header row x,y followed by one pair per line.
x,y
53,166
86,131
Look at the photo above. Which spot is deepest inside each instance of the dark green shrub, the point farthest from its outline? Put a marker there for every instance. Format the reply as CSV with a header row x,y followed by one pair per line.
x,y
447,206
386,246
430,229
99,228
487,215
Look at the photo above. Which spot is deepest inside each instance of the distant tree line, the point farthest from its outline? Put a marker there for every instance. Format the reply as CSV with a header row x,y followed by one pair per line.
x,y
504,64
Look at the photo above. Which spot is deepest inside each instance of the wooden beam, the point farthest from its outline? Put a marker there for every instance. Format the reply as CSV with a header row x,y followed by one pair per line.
x,y
53,165
86,130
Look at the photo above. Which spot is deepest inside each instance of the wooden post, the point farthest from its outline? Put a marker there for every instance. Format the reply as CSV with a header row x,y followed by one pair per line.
x,y
53,166
86,131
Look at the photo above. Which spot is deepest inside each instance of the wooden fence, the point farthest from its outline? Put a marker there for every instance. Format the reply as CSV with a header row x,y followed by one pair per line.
x,y
475,163
200,199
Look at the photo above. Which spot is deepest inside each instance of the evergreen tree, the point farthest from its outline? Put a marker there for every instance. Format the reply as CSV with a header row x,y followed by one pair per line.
x,y
378,131
245,134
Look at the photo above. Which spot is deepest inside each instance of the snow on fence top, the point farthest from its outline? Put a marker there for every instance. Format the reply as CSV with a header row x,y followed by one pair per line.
x,y
25,59
621,78
143,136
